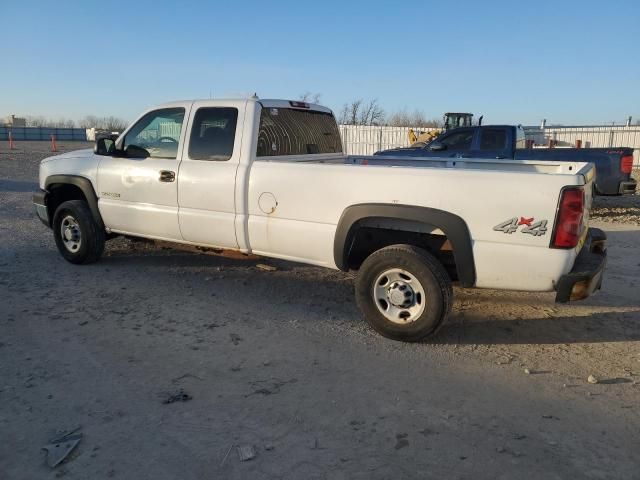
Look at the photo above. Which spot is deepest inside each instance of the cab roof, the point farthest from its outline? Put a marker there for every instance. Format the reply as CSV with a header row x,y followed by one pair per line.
x,y
267,103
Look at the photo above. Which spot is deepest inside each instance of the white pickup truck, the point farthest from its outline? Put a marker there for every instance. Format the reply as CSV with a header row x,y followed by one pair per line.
x,y
268,177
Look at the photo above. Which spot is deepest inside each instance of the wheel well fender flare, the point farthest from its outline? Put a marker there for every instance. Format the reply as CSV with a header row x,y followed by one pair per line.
x,y
453,226
85,186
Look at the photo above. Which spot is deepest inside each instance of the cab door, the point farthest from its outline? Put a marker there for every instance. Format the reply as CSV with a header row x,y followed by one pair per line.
x,y
494,142
138,194
207,177
456,143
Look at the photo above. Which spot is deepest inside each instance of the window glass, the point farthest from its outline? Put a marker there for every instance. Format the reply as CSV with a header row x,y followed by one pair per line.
x,y
288,131
493,139
521,139
213,134
458,140
158,132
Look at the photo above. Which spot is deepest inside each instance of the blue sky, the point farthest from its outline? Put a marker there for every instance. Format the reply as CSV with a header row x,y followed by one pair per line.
x,y
572,62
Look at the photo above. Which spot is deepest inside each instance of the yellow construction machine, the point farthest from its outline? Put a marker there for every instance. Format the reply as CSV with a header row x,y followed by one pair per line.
x,y
450,120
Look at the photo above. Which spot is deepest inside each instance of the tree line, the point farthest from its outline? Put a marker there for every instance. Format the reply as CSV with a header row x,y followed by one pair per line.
x,y
90,121
369,112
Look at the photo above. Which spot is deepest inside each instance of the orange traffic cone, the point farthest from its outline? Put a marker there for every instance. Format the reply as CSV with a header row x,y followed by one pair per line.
x,y
54,147
11,146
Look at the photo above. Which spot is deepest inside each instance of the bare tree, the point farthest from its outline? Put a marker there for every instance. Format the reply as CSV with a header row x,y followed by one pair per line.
x,y
36,121
310,97
40,121
371,113
112,123
115,124
402,118
359,112
90,121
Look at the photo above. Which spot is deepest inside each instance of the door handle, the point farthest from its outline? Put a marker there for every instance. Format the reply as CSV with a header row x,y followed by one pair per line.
x,y
167,176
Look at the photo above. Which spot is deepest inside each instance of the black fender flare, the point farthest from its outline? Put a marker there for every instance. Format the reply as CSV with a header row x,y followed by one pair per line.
x,y
453,226
85,185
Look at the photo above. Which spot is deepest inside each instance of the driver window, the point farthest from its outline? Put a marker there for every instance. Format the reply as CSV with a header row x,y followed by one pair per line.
x,y
458,140
158,132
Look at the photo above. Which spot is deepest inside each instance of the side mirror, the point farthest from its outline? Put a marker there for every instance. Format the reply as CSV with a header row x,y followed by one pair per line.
x,y
104,146
134,151
437,147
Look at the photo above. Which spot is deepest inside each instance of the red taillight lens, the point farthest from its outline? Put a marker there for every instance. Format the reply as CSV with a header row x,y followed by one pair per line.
x,y
626,163
569,219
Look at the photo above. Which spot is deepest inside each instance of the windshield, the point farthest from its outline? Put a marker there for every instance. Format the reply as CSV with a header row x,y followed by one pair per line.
x,y
290,131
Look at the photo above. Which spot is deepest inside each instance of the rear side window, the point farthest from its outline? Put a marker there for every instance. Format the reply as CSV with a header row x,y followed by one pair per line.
x,y
289,131
458,140
213,134
493,139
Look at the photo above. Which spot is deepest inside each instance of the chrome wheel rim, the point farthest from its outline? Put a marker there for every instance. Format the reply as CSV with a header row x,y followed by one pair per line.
x,y
399,296
70,234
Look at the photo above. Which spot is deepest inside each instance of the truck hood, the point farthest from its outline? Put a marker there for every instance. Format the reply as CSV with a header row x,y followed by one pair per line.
x,y
85,153
409,151
79,163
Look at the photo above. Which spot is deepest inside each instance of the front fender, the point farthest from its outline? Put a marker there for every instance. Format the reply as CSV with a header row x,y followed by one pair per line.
x,y
84,184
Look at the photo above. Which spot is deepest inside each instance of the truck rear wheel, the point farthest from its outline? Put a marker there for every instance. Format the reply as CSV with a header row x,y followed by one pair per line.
x,y
404,292
78,237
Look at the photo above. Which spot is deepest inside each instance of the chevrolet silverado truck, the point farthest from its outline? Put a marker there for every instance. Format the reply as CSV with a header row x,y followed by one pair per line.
x,y
268,177
613,165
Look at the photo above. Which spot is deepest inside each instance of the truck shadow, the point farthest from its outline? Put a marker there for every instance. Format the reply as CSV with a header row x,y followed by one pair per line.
x,y
592,328
327,296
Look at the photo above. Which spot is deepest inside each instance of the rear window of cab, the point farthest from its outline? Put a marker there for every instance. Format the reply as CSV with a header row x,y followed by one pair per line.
x,y
291,131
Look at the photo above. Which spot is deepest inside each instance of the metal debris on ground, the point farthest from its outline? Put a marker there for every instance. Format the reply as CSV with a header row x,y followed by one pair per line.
x,y
179,396
246,452
266,268
61,446
592,379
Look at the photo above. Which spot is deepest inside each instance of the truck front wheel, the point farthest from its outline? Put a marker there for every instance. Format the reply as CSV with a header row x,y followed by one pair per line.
x,y
404,292
78,238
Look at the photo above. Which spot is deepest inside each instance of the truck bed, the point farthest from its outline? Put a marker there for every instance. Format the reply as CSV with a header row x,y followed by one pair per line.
x,y
506,165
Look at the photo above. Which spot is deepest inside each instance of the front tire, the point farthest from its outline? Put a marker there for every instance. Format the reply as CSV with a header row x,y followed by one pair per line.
x,y
404,292
78,237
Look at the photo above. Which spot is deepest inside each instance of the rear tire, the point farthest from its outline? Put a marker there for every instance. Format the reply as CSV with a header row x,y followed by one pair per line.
x,y
78,237
404,292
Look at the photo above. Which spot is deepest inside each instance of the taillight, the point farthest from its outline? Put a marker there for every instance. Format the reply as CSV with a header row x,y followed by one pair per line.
x,y
569,218
626,163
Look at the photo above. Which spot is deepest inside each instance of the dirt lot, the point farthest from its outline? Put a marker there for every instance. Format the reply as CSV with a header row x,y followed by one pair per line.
x,y
283,362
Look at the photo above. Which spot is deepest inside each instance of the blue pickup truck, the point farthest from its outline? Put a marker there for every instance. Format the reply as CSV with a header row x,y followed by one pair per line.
x,y
613,165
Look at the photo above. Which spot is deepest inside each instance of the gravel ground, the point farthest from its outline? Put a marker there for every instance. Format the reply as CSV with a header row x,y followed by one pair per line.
x,y
283,362
624,209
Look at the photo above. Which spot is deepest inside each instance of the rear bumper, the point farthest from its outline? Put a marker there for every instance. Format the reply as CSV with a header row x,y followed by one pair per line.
x,y
40,204
586,275
628,187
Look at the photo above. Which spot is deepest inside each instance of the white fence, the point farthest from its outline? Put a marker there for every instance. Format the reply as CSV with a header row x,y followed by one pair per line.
x,y
590,137
365,140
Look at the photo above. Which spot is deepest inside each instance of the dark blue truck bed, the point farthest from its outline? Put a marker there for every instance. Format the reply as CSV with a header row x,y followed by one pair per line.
x,y
613,165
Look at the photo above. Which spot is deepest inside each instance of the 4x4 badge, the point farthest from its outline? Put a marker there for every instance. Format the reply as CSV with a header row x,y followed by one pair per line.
x,y
536,229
